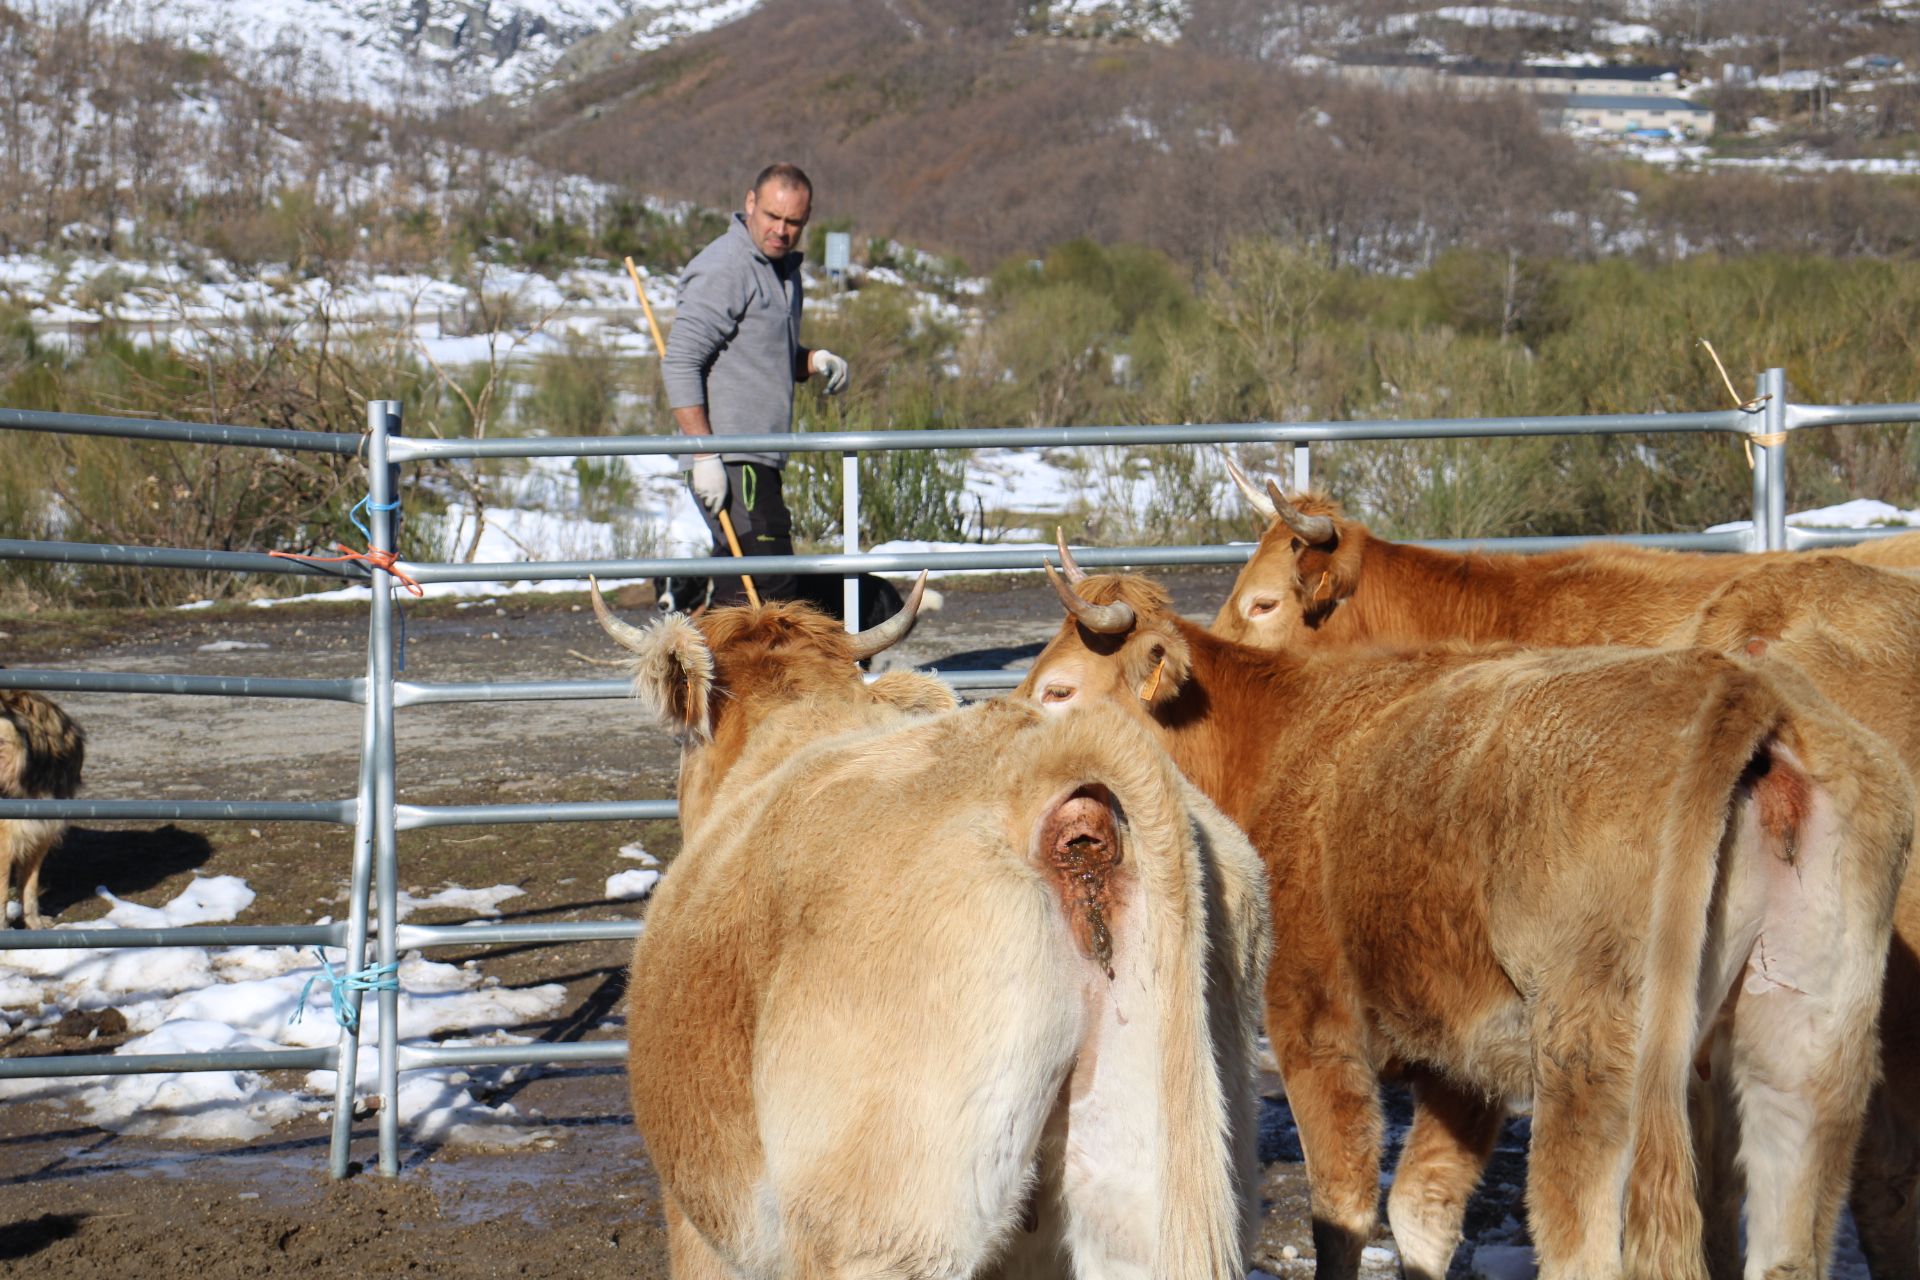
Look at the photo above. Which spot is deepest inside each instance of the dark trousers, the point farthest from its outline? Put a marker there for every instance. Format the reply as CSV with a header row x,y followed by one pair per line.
x,y
762,523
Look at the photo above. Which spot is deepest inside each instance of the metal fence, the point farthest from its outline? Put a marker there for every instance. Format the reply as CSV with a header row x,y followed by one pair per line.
x,y
373,945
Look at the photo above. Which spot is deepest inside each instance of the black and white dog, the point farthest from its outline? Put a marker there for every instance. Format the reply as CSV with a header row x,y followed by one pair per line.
x,y
879,599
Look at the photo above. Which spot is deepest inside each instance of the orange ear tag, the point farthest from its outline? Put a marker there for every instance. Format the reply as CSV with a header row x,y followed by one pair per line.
x,y
1152,686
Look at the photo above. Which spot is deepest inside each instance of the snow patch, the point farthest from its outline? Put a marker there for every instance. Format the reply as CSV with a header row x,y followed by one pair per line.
x,y
196,1000
485,902
628,885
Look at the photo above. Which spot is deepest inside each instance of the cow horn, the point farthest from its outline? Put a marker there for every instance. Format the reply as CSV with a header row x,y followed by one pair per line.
x,y
624,634
1108,619
1261,504
893,630
1074,572
1312,530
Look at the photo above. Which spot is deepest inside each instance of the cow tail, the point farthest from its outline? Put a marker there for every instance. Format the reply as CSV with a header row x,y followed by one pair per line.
x,y
1662,1234
1147,1081
1205,1058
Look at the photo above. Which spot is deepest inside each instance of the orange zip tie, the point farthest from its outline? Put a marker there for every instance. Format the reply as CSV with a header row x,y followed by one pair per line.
x,y
1152,686
373,556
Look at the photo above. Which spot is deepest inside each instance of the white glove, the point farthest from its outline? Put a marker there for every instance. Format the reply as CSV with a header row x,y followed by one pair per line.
x,y
710,481
824,361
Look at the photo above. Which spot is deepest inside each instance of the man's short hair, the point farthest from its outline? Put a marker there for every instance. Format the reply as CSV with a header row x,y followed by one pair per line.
x,y
787,175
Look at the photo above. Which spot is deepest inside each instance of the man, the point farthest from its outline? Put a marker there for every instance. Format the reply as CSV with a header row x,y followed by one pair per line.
x,y
731,365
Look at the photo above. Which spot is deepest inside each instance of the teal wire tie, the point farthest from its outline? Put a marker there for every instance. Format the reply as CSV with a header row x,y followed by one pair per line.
x,y
368,502
379,977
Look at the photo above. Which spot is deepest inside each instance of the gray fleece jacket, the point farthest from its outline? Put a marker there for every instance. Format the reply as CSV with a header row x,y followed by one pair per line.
x,y
735,346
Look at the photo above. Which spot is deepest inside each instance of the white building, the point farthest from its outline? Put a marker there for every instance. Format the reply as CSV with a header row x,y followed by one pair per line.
x,y
1616,98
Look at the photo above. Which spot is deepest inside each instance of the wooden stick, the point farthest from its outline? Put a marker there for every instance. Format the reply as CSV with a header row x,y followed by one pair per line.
x,y
659,343
660,350
733,543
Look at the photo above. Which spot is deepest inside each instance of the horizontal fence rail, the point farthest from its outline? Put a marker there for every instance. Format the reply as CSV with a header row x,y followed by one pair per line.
x,y
134,1064
87,424
336,811
193,686
377,816
410,936
936,438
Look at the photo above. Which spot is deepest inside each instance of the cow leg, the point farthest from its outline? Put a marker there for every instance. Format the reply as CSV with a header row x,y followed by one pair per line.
x,y
689,1256
1886,1191
1805,1048
1886,1169
1336,1108
1716,1146
1445,1153
1800,1119
1582,1126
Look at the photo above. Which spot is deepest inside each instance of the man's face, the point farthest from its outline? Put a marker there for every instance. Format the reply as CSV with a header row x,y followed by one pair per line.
x,y
776,215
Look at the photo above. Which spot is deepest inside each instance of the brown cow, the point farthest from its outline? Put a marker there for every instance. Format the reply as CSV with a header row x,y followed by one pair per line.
x,y
935,992
41,754
1539,874
1320,580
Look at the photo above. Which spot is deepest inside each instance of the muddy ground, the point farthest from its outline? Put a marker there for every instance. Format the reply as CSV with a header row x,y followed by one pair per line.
x,y
77,1201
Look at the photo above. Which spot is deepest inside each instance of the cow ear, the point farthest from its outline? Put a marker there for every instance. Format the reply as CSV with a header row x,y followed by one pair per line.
x,y
1329,575
1157,664
673,676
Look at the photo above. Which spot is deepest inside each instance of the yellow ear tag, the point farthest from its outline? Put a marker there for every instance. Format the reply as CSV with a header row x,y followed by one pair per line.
x,y
1320,591
1152,686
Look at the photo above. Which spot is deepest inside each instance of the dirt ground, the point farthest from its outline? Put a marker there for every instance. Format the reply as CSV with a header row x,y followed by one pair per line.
x,y
78,1201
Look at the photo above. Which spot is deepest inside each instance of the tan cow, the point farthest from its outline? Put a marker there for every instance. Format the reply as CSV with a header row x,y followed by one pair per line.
x,y
1320,580
1900,551
1544,875
42,752
935,992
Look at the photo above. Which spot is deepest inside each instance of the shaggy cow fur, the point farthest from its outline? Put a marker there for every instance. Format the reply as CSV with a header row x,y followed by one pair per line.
x,y
1900,551
1853,628
1541,875
41,754
933,992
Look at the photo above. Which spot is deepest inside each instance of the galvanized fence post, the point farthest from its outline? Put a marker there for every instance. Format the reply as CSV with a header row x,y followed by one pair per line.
x,y
1302,476
850,533
346,1067
1773,386
382,477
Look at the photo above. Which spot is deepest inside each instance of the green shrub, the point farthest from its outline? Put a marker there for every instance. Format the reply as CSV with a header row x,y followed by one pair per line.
x,y
146,493
574,392
894,358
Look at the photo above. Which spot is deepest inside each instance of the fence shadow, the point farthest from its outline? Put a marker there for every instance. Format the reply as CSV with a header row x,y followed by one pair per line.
x,y
973,659
123,861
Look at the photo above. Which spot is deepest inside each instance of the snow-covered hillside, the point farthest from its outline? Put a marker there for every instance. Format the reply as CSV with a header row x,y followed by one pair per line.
x,y
414,50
